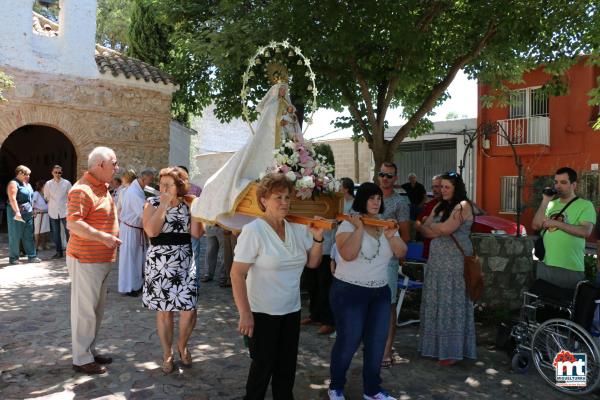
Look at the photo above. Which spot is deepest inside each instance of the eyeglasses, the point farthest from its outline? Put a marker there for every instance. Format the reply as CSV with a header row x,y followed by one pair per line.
x,y
114,163
385,175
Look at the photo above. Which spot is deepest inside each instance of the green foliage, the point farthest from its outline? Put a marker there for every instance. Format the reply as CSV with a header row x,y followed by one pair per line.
x,y
325,150
370,57
6,82
148,37
112,21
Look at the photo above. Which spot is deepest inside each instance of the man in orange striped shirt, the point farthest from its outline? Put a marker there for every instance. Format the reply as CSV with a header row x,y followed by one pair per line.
x,y
91,253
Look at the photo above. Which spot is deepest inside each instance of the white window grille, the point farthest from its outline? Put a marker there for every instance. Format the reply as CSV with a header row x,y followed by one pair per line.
x,y
529,121
508,194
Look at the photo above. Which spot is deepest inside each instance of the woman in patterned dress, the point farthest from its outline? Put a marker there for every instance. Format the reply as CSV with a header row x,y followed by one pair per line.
x,y
170,273
447,330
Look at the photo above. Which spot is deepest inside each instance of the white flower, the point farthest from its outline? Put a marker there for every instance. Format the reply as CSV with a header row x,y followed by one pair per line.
x,y
290,145
307,182
291,176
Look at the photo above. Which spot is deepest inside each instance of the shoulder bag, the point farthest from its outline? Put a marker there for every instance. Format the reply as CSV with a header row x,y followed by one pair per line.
x,y
473,273
538,247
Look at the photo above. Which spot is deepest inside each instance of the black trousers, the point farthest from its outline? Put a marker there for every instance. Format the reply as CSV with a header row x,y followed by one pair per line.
x,y
274,351
318,292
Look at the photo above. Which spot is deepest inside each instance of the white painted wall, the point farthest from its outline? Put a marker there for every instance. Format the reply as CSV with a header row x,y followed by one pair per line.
x,y
179,144
69,53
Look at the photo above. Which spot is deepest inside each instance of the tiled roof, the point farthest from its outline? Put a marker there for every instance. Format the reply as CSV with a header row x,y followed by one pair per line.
x,y
108,60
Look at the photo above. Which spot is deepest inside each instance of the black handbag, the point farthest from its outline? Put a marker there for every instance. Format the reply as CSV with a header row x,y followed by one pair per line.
x,y
538,247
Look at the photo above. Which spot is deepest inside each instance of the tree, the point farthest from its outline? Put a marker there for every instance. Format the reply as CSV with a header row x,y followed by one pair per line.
x,y
6,82
373,56
112,21
148,38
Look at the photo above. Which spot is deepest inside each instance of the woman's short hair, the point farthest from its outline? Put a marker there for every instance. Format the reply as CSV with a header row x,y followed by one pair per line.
x,y
22,169
179,176
129,176
363,193
348,184
269,183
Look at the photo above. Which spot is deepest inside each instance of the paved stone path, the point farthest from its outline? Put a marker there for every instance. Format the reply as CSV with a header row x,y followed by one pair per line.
x,y
35,346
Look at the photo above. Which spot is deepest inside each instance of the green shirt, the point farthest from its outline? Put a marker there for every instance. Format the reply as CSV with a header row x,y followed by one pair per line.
x,y
563,249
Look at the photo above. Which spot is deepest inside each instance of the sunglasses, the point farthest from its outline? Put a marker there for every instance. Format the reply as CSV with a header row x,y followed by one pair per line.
x,y
385,175
58,172
453,174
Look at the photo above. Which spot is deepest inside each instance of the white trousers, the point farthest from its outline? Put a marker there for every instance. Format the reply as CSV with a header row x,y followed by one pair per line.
x,y
88,295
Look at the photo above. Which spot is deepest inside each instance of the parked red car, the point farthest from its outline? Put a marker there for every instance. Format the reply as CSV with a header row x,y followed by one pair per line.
x,y
490,224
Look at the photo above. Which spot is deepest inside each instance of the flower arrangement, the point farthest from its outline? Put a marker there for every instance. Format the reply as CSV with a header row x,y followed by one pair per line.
x,y
311,173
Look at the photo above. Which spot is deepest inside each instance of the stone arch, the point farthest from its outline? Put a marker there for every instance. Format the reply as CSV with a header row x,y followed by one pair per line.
x,y
67,123
39,147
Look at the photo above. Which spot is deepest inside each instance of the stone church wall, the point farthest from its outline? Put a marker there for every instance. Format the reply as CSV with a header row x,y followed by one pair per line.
x,y
92,112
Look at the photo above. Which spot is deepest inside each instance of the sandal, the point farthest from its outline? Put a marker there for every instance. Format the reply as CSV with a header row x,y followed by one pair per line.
x,y
186,358
386,363
167,365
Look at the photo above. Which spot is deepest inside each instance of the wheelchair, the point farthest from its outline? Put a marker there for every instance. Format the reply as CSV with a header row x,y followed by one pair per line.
x,y
553,320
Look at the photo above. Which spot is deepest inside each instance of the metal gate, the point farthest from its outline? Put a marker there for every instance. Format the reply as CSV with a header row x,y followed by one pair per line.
x,y
426,159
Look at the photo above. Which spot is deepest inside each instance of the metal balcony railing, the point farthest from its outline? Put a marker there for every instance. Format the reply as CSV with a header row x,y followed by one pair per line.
x,y
528,130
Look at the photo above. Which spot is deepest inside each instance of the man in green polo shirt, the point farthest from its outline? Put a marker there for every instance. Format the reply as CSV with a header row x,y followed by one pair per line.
x,y
564,238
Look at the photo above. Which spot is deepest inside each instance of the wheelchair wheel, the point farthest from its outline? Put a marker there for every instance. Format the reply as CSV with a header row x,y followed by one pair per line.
x,y
521,362
556,335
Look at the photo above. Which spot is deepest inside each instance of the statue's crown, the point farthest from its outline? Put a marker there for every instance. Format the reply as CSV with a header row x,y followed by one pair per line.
x,y
277,73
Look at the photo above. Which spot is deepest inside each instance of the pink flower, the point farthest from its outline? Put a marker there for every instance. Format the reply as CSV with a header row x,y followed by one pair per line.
x,y
284,169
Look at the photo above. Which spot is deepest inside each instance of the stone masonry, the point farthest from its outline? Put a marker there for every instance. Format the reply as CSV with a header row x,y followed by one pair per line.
x,y
92,112
508,268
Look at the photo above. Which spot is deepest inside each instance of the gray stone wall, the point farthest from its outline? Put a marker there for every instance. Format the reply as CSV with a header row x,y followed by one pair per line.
x,y
508,268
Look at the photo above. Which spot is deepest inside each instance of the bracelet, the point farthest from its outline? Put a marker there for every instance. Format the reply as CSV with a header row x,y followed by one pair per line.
x,y
318,241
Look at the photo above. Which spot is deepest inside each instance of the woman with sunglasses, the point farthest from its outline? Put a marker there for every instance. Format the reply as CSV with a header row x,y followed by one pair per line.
x,y
447,329
20,216
360,296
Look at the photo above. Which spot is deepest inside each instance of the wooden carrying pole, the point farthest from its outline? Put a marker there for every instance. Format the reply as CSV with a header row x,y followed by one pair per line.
x,y
318,223
382,223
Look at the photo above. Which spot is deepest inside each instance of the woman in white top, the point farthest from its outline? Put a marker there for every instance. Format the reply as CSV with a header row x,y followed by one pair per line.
x,y
360,296
269,258
41,222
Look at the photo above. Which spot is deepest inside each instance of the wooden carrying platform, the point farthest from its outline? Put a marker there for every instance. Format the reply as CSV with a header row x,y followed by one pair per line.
x,y
326,206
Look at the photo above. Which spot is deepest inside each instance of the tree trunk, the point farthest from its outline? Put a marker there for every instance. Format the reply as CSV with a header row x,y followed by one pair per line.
x,y
381,153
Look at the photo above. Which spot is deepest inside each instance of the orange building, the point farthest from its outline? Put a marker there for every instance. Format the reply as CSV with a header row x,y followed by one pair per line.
x,y
548,132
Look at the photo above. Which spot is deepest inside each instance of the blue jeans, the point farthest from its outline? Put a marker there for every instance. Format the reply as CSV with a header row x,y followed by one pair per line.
x,y
361,314
17,232
55,229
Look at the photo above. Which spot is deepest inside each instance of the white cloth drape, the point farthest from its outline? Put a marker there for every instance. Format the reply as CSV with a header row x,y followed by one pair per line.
x,y
132,252
218,200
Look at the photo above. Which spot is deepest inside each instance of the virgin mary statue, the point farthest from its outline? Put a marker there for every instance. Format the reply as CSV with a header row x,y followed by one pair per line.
x,y
227,187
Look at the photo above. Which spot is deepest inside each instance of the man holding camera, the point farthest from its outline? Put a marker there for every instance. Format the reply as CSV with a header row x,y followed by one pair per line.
x,y
566,220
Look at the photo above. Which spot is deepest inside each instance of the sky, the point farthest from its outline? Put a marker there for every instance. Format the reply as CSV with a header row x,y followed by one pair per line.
x,y
462,101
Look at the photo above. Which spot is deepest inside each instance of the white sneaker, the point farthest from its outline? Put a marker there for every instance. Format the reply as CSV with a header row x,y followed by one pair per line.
x,y
379,396
335,394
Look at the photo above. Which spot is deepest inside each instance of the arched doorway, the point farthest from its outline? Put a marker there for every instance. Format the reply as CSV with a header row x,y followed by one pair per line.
x,y
39,148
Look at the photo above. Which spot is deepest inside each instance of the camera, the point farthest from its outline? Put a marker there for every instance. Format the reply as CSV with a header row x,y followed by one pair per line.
x,y
549,191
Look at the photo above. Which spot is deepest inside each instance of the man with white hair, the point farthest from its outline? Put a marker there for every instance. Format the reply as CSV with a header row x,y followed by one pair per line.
x,y
91,253
132,254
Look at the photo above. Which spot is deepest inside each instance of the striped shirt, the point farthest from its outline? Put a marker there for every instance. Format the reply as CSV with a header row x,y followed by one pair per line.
x,y
89,201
